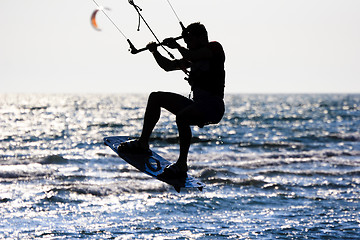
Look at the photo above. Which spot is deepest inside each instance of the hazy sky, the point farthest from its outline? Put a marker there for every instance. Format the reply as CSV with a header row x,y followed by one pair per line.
x,y
272,46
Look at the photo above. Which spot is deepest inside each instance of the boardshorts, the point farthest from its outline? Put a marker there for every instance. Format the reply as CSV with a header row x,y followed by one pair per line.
x,y
211,106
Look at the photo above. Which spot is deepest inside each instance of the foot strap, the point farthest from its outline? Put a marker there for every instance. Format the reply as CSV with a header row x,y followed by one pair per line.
x,y
173,172
134,147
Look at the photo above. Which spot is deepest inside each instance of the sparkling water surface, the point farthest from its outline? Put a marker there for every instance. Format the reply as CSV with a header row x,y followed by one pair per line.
x,y
276,167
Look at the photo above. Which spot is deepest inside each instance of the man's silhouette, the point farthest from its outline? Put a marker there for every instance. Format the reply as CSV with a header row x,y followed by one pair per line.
x,y
207,80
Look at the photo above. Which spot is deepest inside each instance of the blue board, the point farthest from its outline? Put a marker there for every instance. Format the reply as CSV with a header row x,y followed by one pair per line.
x,y
152,165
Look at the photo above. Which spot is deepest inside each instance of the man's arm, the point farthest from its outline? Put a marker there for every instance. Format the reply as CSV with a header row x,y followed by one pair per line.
x,y
163,62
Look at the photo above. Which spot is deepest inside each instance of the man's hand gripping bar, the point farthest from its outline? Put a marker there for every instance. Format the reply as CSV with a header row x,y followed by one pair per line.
x,y
134,50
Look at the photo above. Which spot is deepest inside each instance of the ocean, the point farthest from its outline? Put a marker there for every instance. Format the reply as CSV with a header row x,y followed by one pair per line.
x,y
276,167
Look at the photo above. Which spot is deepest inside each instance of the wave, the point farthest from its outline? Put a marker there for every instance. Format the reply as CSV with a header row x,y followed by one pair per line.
x,y
311,173
323,155
247,161
25,160
348,137
59,193
270,145
21,174
4,200
106,125
38,108
283,181
54,159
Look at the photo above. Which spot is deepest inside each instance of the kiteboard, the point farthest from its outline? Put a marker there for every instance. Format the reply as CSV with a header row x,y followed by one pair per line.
x,y
152,164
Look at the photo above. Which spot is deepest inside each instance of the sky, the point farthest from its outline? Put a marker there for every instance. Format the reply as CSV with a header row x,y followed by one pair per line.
x,y
271,46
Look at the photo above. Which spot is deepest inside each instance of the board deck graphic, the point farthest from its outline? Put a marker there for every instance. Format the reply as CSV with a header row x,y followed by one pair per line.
x,y
152,165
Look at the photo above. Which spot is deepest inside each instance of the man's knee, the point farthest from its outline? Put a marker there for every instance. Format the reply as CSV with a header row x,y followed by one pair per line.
x,y
155,97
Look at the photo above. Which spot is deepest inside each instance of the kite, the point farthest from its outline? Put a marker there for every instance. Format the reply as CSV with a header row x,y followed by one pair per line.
x,y
93,17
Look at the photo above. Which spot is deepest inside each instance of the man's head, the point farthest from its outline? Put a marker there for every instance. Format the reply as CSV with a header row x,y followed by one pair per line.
x,y
195,35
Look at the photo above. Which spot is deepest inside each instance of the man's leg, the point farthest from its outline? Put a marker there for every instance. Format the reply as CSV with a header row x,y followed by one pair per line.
x,y
157,100
185,141
191,115
151,117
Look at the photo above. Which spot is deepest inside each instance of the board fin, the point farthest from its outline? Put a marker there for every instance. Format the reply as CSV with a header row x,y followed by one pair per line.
x,y
177,188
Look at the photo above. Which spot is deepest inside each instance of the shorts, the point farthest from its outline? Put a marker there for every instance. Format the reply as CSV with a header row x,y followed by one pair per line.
x,y
212,107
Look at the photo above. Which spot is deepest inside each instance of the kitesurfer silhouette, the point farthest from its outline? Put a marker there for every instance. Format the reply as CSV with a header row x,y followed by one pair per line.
x,y
207,80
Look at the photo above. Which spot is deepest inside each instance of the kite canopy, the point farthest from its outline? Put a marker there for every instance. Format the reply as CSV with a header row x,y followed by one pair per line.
x,y
93,20
93,17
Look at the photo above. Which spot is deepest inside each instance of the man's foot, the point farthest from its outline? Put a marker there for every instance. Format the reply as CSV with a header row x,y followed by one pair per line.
x,y
174,171
134,147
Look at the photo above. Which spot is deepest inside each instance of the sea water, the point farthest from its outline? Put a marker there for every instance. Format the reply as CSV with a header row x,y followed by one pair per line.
x,y
276,167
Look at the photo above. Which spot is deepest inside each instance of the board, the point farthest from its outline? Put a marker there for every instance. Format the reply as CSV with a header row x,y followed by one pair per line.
x,y
152,165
